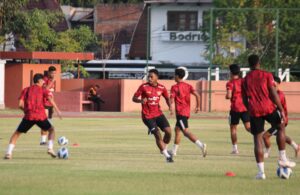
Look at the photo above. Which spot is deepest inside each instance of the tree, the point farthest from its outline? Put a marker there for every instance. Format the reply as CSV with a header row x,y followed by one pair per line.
x,y
35,29
107,48
258,30
8,11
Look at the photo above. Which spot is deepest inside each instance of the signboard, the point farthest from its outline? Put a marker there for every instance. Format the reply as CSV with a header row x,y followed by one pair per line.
x,y
181,36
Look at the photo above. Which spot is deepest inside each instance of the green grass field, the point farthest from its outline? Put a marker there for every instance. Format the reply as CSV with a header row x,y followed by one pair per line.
x,y
116,156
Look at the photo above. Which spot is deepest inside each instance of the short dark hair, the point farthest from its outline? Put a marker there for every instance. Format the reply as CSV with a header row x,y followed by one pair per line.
x,y
51,68
253,60
179,72
277,79
234,69
155,71
37,77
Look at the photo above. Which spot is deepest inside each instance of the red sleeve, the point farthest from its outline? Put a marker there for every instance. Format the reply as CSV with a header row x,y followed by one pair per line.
x,y
229,86
165,93
172,93
139,92
23,94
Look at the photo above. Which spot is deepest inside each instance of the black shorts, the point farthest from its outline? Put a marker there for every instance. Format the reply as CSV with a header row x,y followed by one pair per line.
x,y
25,125
234,117
160,121
182,122
50,111
258,123
273,130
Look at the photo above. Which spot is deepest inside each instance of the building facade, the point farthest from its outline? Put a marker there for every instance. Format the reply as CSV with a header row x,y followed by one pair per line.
x,y
176,34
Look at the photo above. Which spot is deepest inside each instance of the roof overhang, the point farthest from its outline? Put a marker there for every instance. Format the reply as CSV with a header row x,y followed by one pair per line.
x,y
47,55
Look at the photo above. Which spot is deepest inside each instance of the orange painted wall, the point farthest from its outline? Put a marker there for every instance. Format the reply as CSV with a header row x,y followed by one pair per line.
x,y
110,90
18,76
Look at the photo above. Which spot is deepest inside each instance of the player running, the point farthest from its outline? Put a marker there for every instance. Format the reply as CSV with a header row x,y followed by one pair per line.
x,y
237,109
152,115
181,95
273,131
49,84
31,102
260,96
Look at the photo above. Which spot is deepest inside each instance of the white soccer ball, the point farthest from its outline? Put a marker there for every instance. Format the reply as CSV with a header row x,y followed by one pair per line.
x,y
284,172
63,153
186,72
62,141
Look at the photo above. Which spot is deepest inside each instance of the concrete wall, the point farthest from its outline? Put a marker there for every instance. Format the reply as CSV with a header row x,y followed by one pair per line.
x,y
2,76
110,90
174,51
18,76
118,94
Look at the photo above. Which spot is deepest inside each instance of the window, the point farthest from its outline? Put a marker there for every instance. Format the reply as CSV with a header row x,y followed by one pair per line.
x,y
182,20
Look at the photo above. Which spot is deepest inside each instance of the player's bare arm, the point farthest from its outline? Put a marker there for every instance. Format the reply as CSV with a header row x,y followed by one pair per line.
x,y
228,94
51,100
172,105
21,104
139,101
276,100
197,96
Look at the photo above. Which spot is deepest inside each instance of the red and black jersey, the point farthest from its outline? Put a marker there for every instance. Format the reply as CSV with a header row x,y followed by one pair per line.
x,y
151,108
256,87
181,92
33,98
51,87
237,104
284,105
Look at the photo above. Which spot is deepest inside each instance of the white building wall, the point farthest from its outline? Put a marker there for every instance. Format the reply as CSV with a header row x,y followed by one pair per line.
x,y
177,52
2,73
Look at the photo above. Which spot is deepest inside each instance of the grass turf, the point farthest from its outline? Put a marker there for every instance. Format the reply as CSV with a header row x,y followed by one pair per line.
x,y
116,156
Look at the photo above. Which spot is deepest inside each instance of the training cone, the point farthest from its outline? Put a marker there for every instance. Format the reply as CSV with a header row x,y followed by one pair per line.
x,y
75,144
230,174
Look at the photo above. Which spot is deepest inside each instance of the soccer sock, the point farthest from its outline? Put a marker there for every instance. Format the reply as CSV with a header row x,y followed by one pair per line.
x,y
267,150
234,147
199,144
294,145
165,153
282,155
50,144
261,167
10,148
44,138
175,148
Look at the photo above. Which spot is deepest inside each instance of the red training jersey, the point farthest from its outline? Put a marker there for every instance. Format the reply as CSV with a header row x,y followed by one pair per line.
x,y
283,102
181,92
256,87
33,98
151,108
237,104
51,87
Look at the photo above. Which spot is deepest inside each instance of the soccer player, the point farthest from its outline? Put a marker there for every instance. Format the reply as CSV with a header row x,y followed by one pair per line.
x,y
237,109
49,84
273,131
152,115
260,96
181,95
31,102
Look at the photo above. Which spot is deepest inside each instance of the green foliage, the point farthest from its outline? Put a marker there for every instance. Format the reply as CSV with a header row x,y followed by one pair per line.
x,y
258,29
35,29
